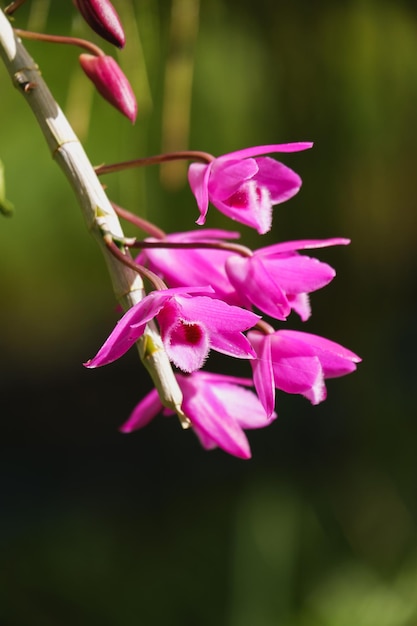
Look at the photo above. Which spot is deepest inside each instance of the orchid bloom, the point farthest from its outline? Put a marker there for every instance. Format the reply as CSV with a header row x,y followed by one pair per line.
x,y
110,82
276,279
218,407
297,362
190,326
181,267
244,185
102,17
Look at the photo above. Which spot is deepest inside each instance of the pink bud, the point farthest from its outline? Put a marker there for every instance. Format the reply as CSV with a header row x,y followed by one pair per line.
x,y
101,16
111,83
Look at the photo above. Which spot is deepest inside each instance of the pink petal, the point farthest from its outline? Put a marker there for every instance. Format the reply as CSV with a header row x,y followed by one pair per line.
x,y
300,303
235,345
281,181
216,315
212,418
143,412
250,278
297,273
182,267
227,176
130,327
250,205
198,177
302,244
268,149
335,359
262,370
224,323
303,375
187,345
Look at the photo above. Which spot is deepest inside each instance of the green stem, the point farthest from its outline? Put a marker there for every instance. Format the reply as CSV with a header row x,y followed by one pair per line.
x,y
95,205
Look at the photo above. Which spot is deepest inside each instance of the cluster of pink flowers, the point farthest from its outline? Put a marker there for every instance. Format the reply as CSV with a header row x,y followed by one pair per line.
x,y
215,291
218,290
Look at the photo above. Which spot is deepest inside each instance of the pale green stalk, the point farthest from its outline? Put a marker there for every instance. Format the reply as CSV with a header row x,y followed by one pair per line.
x,y
96,208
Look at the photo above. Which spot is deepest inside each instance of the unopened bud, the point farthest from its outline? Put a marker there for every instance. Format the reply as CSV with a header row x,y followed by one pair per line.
x,y
101,16
111,83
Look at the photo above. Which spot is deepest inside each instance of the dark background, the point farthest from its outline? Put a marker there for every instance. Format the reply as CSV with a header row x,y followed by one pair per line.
x,y
319,528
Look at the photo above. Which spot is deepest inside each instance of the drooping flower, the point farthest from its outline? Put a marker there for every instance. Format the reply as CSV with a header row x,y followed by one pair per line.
x,y
102,17
110,82
276,279
190,326
244,185
297,362
219,407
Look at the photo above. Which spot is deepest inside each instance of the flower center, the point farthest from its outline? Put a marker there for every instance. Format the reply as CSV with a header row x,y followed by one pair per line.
x,y
247,195
189,332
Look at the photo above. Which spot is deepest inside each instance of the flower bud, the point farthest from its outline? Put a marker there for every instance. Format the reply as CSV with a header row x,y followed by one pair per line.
x,y
101,16
111,83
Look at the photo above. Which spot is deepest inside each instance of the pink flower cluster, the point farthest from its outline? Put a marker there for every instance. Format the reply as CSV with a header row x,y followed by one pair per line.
x,y
217,292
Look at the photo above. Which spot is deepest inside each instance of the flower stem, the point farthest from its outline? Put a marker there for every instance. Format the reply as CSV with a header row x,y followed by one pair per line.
x,y
13,6
144,272
95,205
139,222
187,155
72,41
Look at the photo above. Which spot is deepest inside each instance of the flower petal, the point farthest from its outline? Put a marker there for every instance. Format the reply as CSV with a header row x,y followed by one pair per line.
x,y
269,149
198,178
143,413
129,328
334,358
297,273
281,181
211,416
262,370
302,244
258,286
303,375
227,177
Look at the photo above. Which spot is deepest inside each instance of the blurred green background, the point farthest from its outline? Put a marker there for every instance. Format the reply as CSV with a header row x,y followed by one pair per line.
x,y
319,528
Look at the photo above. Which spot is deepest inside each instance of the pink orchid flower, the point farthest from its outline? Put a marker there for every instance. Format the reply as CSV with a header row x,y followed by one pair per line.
x,y
110,82
190,326
181,267
245,185
218,407
276,279
297,362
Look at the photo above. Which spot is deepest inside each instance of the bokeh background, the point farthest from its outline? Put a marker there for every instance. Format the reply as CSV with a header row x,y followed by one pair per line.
x,y
319,528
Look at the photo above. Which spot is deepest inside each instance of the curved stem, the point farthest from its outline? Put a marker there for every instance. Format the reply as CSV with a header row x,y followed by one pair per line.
x,y
144,272
139,222
187,155
72,41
